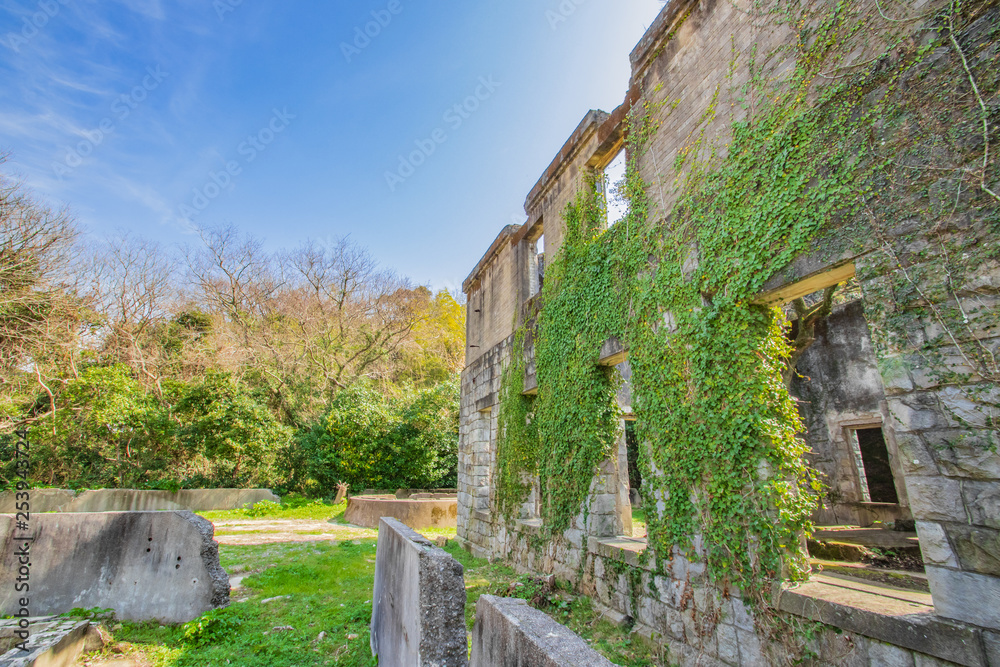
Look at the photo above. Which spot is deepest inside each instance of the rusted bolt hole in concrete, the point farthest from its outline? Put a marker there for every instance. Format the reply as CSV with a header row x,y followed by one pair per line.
x,y
177,567
148,550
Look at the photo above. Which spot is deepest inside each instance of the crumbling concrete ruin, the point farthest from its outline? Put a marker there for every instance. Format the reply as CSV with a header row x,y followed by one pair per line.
x,y
900,448
144,566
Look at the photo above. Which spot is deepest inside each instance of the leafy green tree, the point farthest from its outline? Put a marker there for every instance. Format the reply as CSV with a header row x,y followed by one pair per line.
x,y
223,421
106,431
371,440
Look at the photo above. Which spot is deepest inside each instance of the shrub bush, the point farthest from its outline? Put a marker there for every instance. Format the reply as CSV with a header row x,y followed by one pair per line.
x,y
371,441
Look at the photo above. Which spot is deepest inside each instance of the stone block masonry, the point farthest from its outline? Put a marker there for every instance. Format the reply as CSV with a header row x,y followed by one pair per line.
x,y
881,361
146,566
418,603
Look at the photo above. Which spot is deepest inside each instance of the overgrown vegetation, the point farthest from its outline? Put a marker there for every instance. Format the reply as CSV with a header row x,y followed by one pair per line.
x,y
321,588
370,440
328,589
221,364
804,166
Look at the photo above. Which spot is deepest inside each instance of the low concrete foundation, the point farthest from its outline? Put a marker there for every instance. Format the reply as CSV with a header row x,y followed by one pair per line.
x,y
508,631
418,603
417,513
161,566
132,500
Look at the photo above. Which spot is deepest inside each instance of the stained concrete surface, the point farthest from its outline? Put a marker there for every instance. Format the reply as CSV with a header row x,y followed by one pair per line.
x,y
132,500
418,602
508,631
161,566
416,512
53,642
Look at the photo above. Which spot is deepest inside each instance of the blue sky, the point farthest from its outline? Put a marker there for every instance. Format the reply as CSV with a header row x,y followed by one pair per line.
x,y
156,115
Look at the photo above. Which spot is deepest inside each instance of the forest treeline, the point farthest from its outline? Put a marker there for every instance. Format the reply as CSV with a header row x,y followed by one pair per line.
x,y
219,364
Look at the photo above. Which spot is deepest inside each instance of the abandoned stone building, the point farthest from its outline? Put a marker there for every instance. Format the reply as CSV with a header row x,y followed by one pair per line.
x,y
894,388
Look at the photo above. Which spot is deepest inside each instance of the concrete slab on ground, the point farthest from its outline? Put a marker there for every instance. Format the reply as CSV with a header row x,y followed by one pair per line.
x,y
53,641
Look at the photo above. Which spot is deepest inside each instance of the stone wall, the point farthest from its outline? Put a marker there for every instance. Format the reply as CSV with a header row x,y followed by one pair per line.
x,y
940,430
946,435
508,631
418,602
492,292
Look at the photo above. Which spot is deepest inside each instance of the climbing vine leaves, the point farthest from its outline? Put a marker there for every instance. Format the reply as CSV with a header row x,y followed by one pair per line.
x,y
829,160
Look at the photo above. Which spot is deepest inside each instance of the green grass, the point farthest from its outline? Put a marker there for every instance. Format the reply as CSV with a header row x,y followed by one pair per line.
x,y
329,590
638,521
290,508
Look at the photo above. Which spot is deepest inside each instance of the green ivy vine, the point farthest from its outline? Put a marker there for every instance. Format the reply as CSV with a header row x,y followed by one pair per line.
x,y
724,466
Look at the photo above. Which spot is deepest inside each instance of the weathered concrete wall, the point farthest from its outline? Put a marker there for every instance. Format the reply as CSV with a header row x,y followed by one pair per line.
x,y
508,631
417,513
839,386
161,566
418,602
586,150
493,297
131,500
41,500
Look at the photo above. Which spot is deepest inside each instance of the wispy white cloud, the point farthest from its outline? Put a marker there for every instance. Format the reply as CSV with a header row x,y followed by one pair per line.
x,y
150,8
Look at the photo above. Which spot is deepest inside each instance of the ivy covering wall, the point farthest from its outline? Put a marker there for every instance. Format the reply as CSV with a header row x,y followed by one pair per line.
x,y
875,158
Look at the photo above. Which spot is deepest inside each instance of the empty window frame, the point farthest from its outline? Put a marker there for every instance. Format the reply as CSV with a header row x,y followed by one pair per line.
x,y
874,468
613,179
536,265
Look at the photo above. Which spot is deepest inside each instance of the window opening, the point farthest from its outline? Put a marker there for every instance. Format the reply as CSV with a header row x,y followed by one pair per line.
x,y
613,184
635,481
877,482
537,265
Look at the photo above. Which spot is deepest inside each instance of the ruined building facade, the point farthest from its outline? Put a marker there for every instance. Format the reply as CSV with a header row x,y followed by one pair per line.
x,y
896,445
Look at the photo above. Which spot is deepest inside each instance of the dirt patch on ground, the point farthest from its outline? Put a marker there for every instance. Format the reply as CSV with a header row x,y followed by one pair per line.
x,y
270,531
117,655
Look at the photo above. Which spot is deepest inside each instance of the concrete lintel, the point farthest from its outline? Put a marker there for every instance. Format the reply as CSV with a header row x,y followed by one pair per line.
x,y
895,616
530,384
611,134
486,402
532,526
612,353
807,285
590,124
